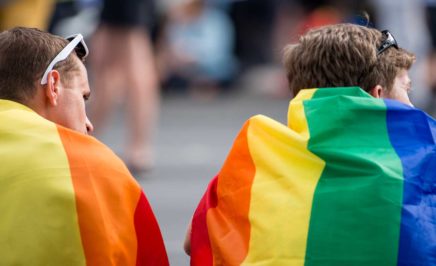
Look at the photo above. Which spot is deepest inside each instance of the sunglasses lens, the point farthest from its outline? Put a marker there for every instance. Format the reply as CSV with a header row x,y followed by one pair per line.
x,y
81,49
388,42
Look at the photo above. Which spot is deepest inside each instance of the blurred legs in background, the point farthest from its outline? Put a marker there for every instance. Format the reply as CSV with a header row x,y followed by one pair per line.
x,y
123,68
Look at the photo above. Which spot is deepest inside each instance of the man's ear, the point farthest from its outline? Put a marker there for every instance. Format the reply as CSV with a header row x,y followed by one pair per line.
x,y
377,92
52,88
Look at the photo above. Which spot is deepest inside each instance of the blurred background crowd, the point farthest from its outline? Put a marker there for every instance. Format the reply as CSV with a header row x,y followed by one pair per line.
x,y
142,49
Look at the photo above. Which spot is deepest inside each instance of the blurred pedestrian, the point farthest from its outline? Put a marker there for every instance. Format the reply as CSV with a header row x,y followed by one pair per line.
x,y
123,68
196,49
65,198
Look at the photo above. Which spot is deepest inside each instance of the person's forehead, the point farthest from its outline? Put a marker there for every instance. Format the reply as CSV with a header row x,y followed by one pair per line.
x,y
79,75
82,71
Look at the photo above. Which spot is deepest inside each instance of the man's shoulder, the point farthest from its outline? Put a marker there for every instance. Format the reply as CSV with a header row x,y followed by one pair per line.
x,y
25,134
86,150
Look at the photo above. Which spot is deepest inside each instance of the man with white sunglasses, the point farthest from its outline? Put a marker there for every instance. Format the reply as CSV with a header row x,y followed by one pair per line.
x,y
65,198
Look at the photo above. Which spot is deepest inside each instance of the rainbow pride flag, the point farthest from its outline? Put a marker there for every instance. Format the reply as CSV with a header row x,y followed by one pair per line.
x,y
350,181
66,199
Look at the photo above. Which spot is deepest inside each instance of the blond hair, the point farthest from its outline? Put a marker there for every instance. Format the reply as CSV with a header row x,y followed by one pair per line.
x,y
343,55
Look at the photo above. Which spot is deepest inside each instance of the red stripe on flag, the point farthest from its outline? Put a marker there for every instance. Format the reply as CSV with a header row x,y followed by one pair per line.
x,y
223,214
151,249
200,242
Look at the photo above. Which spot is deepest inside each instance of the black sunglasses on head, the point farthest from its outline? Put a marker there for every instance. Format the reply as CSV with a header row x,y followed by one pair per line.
x,y
388,42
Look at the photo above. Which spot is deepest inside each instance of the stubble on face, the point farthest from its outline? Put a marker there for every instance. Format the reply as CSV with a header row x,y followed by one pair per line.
x,y
74,92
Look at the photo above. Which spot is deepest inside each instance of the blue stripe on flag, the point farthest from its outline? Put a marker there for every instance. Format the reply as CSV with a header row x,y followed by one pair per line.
x,y
412,134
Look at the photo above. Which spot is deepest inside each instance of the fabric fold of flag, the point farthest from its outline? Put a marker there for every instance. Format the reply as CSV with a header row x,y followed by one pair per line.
x,y
349,181
67,199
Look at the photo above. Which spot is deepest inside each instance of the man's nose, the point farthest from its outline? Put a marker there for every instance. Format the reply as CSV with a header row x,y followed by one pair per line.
x,y
89,126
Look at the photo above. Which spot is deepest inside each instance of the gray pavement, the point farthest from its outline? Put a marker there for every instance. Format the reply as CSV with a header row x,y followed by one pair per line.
x,y
193,139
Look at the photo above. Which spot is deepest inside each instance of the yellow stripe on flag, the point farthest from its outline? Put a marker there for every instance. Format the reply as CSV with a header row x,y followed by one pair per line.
x,y
38,224
283,188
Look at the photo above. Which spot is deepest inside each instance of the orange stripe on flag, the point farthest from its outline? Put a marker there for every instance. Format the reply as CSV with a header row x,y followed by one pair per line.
x,y
106,199
228,223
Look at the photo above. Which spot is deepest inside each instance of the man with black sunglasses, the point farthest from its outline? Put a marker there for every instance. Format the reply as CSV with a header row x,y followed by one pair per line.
x,y
350,55
348,181
65,198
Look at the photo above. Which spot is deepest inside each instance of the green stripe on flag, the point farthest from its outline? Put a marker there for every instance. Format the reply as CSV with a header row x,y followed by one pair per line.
x,y
356,208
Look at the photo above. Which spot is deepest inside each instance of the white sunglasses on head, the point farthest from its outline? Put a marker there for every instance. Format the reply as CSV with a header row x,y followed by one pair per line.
x,y
75,41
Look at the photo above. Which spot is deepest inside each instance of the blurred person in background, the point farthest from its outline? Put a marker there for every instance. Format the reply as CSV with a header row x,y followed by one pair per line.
x,y
76,15
253,22
431,59
264,27
346,181
26,13
196,48
123,68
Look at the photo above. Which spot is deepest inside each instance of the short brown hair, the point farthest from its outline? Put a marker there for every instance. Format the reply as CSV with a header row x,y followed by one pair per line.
x,y
25,53
343,55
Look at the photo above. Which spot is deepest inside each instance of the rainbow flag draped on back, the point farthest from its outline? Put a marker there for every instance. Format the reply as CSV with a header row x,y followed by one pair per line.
x,y
66,199
350,181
